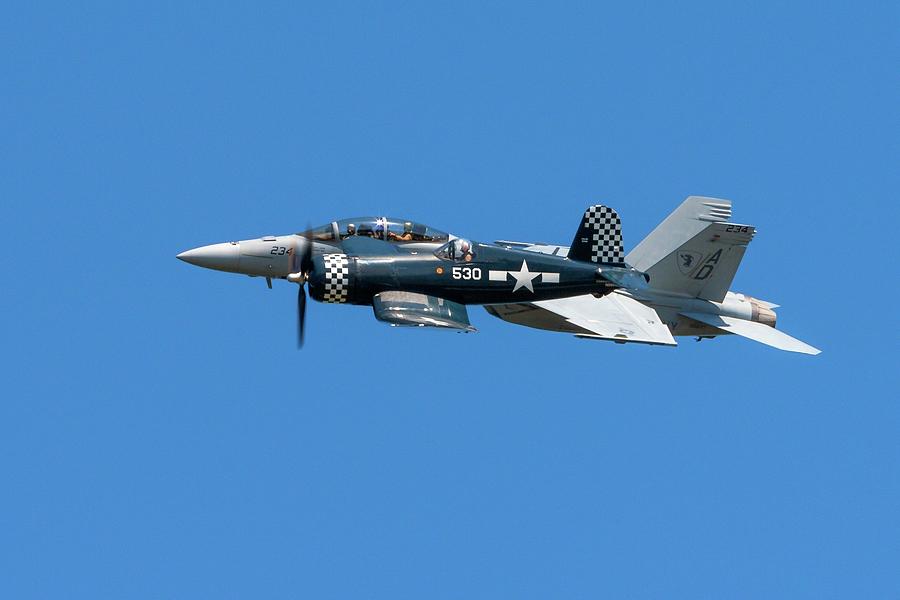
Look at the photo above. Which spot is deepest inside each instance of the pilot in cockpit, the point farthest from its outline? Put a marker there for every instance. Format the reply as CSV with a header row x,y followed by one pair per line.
x,y
460,249
464,250
406,236
351,230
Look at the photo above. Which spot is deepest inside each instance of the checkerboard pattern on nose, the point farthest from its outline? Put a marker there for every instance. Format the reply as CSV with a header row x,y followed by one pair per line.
x,y
606,234
337,277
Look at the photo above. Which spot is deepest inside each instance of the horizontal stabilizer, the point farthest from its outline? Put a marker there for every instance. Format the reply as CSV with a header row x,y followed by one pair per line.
x,y
764,304
755,331
418,310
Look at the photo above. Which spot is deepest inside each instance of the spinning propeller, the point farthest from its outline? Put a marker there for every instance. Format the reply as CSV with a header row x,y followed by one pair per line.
x,y
302,266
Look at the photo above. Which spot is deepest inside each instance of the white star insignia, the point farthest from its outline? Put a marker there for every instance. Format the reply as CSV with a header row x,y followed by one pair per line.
x,y
524,278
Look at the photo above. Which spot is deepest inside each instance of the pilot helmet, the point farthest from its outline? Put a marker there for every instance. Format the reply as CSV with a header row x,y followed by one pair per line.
x,y
464,245
351,228
407,227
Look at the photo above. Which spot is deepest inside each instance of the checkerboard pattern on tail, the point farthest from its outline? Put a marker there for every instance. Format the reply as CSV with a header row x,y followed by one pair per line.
x,y
606,234
599,239
337,278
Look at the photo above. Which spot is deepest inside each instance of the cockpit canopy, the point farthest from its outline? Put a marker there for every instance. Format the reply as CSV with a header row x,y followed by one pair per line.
x,y
457,249
382,228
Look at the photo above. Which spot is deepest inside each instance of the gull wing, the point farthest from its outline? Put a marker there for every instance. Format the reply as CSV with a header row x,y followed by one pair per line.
x,y
613,317
410,309
755,331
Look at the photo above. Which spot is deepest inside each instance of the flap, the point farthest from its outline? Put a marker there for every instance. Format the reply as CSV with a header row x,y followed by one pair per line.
x,y
613,317
410,309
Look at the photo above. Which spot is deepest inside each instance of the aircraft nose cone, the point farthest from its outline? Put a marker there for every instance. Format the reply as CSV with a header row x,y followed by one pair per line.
x,y
222,257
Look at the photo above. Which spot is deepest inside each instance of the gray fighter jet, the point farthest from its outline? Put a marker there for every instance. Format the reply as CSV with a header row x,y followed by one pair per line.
x,y
690,260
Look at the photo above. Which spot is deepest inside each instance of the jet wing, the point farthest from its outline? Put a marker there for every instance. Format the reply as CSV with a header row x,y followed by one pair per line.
x,y
418,310
613,317
539,247
755,331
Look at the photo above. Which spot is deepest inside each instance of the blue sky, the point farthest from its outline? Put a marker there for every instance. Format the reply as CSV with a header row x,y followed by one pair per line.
x,y
161,437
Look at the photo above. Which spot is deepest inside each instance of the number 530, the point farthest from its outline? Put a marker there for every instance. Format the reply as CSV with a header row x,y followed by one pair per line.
x,y
466,273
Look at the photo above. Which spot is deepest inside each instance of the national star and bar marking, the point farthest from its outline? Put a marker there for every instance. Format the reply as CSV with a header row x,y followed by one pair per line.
x,y
524,278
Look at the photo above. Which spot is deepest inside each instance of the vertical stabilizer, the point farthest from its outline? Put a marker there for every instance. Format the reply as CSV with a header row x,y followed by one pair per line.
x,y
599,237
684,223
694,252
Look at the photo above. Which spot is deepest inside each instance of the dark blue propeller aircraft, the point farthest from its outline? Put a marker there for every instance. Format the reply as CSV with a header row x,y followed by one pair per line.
x,y
675,282
412,274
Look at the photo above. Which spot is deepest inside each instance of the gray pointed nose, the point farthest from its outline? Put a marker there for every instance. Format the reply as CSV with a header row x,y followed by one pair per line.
x,y
222,257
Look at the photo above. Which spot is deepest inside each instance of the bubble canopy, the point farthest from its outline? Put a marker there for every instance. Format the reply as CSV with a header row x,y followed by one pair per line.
x,y
383,228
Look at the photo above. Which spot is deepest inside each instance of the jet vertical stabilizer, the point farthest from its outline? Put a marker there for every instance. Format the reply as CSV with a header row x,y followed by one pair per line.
x,y
694,252
686,221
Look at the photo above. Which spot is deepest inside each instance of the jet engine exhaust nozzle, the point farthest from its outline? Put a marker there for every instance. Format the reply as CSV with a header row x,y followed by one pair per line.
x,y
762,314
